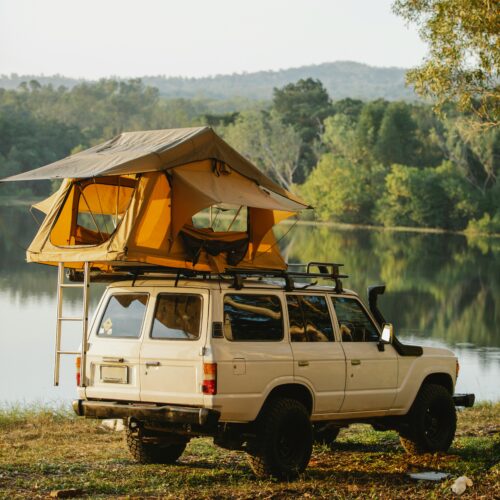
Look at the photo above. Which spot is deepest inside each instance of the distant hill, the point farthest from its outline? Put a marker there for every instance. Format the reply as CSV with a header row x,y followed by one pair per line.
x,y
341,79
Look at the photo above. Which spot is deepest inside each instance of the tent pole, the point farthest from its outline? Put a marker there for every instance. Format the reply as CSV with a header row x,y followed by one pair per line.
x,y
91,214
234,218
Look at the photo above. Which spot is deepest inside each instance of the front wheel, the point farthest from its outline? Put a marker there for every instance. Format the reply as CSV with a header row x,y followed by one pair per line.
x,y
432,421
283,445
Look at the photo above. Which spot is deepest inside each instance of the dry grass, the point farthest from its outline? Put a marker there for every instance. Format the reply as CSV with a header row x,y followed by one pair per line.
x,y
42,450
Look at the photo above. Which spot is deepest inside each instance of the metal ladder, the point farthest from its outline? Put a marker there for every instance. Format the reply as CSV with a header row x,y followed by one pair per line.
x,y
61,285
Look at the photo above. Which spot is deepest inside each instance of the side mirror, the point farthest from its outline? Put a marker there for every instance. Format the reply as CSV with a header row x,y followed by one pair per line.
x,y
386,337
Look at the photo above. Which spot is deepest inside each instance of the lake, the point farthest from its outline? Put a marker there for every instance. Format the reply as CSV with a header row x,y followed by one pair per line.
x,y
442,290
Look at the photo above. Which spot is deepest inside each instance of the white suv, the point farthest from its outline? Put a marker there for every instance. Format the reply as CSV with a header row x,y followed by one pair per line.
x,y
260,366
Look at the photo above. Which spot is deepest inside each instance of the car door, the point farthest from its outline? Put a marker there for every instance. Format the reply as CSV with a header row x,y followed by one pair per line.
x,y
371,374
171,356
319,360
252,353
114,346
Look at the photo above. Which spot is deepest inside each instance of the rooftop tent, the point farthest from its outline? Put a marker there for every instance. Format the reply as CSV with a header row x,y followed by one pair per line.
x,y
132,200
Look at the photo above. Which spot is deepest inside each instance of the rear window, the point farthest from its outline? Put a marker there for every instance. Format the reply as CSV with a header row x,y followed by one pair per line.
x,y
253,318
123,316
177,317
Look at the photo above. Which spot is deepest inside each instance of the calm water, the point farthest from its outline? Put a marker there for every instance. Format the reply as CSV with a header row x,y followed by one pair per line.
x,y
442,290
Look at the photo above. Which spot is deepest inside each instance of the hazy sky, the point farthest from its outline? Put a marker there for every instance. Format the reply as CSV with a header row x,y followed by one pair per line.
x,y
97,38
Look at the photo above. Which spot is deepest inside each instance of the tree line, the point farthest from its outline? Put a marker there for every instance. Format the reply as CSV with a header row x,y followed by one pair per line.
x,y
375,162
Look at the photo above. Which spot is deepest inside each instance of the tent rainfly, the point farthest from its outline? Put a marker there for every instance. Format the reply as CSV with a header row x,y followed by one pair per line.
x,y
131,201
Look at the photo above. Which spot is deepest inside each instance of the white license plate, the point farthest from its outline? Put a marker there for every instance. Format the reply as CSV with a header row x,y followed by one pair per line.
x,y
114,374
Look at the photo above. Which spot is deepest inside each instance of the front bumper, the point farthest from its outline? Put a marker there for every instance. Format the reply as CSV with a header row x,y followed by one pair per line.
x,y
466,400
169,414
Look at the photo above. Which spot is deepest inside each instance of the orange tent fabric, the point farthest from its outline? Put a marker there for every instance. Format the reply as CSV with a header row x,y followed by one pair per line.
x,y
146,219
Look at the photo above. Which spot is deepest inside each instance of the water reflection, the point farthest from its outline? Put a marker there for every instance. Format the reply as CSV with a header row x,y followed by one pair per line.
x,y
441,290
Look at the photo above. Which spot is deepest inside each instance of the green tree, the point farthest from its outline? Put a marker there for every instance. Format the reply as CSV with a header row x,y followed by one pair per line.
x,y
304,105
463,64
265,140
396,139
342,191
427,197
369,122
341,139
413,197
348,107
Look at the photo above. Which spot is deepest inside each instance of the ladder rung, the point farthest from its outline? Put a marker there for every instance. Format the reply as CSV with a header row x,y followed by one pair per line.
x,y
69,352
70,319
71,285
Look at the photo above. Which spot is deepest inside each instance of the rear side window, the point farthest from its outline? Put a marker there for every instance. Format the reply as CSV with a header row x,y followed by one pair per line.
x,y
123,316
309,318
253,318
177,317
354,323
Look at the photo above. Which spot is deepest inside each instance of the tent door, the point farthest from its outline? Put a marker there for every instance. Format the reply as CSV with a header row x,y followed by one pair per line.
x,y
85,287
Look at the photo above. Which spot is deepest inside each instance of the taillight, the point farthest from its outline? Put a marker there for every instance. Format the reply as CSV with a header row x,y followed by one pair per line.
x,y
458,369
209,385
78,364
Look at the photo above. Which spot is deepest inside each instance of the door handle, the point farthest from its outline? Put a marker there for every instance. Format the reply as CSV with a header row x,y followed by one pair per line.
x,y
355,362
303,363
152,363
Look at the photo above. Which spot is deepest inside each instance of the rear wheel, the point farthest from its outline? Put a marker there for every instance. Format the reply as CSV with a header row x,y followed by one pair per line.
x,y
283,445
432,421
151,449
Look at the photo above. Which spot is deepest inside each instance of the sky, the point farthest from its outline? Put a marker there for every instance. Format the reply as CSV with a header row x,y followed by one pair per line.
x,y
128,38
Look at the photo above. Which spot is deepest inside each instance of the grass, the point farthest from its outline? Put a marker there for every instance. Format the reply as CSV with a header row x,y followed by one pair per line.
x,y
46,449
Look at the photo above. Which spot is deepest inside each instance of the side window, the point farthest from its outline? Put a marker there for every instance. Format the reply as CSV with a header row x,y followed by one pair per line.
x,y
123,316
253,318
355,325
177,316
309,318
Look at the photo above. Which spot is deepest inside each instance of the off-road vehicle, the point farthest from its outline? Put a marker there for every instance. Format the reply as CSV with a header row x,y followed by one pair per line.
x,y
262,363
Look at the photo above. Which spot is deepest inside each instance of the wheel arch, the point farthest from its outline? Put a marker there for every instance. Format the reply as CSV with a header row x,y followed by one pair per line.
x,y
295,391
443,379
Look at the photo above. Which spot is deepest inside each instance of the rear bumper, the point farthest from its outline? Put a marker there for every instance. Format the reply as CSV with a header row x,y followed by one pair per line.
x,y
202,417
466,400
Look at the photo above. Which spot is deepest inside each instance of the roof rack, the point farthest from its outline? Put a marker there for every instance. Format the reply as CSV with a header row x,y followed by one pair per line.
x,y
324,270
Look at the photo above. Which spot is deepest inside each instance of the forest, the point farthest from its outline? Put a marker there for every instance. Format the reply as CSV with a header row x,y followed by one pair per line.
x,y
373,162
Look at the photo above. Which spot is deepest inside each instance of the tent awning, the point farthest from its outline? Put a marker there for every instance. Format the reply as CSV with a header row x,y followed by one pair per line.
x,y
153,150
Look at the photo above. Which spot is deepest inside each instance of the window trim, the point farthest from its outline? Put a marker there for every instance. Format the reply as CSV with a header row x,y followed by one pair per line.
x,y
333,318
367,312
152,322
256,292
108,299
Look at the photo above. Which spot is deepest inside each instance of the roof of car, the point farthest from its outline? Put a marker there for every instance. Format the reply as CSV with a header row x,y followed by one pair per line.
x,y
224,284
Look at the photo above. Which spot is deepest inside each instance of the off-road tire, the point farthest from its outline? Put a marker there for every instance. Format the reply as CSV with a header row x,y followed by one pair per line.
x,y
283,445
431,421
153,453
326,437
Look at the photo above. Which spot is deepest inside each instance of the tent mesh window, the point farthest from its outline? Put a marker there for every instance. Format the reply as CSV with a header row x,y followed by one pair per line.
x,y
218,229
92,211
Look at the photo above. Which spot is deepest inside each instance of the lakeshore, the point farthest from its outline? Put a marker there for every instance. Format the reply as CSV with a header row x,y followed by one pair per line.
x,y
44,450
